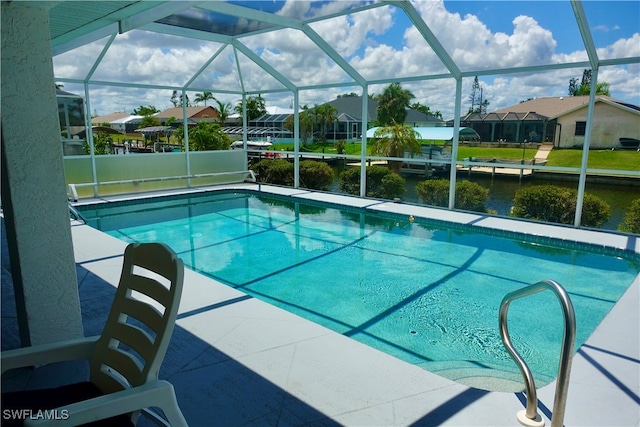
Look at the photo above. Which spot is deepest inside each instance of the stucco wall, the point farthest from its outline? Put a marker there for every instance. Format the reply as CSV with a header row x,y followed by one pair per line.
x,y
609,124
39,214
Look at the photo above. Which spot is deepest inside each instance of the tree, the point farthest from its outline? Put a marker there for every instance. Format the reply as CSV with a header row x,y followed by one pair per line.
x,y
175,98
204,97
145,111
208,136
426,110
323,115
305,122
224,111
393,104
255,107
393,140
584,88
102,144
148,121
478,104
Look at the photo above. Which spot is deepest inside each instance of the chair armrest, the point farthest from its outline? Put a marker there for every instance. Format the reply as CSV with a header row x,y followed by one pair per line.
x,y
80,348
154,394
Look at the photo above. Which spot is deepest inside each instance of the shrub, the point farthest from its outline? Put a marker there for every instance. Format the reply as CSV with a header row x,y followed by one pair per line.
x,y
274,171
392,186
631,221
552,203
340,146
381,182
470,196
102,144
434,192
315,175
350,181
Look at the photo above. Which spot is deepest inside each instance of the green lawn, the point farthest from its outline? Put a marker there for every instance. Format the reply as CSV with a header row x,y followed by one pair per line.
x,y
598,159
465,152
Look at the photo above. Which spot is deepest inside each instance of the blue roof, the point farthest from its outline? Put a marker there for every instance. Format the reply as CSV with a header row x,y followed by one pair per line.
x,y
438,133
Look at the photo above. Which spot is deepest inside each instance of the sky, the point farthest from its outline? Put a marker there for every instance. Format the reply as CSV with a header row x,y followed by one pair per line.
x,y
380,44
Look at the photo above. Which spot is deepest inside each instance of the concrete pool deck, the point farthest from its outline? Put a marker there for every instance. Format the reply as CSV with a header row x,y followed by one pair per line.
x,y
235,360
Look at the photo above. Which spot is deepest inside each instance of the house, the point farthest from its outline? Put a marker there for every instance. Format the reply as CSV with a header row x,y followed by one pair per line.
x,y
349,126
561,120
101,120
71,115
194,114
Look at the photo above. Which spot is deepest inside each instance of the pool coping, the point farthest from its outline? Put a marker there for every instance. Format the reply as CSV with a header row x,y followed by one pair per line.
x,y
353,384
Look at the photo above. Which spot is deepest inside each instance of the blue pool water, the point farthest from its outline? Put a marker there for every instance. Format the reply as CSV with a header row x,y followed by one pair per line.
x,y
422,292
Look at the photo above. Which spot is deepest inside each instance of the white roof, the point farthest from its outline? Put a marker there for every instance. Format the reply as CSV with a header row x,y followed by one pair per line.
x,y
126,119
432,133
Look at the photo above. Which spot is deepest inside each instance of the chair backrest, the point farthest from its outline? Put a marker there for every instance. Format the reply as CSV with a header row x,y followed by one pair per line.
x,y
138,330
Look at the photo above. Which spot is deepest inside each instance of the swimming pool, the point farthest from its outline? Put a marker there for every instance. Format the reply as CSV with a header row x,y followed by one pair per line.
x,y
418,290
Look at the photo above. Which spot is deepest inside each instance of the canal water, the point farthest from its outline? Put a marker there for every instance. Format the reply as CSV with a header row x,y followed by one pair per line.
x,y
502,190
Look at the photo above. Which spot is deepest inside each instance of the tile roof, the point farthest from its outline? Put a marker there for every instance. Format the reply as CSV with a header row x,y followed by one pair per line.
x,y
352,105
109,117
177,112
553,107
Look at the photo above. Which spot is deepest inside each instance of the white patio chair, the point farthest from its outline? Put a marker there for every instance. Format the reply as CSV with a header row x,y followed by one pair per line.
x,y
124,360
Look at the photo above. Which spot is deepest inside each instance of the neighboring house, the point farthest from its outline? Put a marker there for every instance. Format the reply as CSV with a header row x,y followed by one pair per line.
x,y
71,114
194,114
127,124
118,121
100,120
560,120
348,124
349,112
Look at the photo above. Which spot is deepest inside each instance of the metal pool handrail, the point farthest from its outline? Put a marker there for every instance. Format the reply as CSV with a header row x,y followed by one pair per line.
x,y
530,417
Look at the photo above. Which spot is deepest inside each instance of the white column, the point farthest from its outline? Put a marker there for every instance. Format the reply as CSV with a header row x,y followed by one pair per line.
x,y
34,194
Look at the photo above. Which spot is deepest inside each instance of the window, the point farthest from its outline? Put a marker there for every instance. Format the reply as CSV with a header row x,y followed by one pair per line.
x,y
581,128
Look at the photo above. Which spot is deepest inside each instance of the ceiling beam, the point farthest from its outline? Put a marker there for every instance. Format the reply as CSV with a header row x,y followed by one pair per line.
x,y
61,46
428,35
587,38
251,14
335,56
108,20
153,14
264,65
187,33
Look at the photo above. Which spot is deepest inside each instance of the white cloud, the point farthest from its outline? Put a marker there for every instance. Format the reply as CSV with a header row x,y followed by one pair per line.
x,y
361,38
346,34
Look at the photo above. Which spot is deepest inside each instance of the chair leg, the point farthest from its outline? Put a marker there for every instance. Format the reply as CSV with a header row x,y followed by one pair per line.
x,y
170,407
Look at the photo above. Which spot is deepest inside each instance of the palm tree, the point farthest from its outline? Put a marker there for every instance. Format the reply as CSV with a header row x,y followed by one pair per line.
x,y
256,107
393,104
324,115
204,97
393,140
224,111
